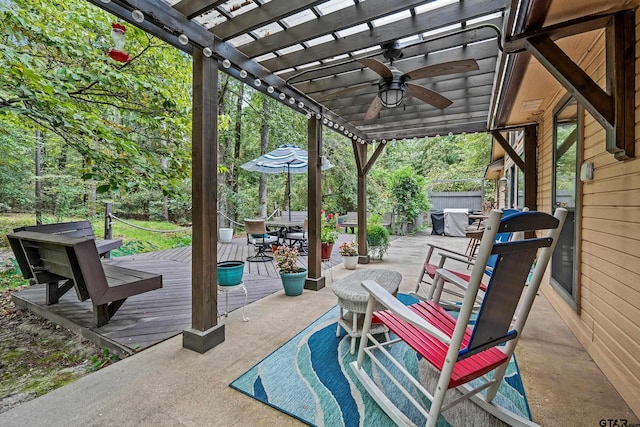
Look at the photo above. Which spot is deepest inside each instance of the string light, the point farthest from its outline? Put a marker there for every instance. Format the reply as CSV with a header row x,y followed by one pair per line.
x,y
309,115
207,52
330,124
183,39
292,101
335,126
257,82
300,104
270,89
136,14
282,96
243,73
226,63
324,121
318,116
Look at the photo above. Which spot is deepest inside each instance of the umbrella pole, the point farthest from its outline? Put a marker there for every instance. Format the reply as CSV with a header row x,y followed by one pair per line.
x,y
289,188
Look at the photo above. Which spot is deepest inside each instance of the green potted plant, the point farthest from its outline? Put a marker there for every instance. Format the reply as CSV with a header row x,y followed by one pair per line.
x,y
349,252
328,233
293,276
377,239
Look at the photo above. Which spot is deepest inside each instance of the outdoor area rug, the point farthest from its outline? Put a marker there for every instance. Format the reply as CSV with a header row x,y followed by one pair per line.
x,y
310,379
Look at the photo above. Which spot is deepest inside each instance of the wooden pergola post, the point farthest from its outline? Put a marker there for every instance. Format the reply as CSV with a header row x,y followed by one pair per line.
x,y
363,250
315,280
205,333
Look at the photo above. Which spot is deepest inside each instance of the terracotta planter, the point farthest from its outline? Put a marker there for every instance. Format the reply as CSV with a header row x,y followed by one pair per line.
x,y
325,250
293,283
350,262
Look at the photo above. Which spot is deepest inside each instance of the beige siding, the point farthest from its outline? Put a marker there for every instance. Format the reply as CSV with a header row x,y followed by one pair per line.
x,y
608,322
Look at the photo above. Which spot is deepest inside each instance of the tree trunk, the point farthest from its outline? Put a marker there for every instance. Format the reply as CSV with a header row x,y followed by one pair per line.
x,y
223,142
38,188
264,146
234,155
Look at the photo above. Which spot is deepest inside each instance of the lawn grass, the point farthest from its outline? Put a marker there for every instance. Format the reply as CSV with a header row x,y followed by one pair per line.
x,y
134,240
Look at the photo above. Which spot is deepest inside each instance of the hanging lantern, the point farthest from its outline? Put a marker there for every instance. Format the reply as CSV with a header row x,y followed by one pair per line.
x,y
118,36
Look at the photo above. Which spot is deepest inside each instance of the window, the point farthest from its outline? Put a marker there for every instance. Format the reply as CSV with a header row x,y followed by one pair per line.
x,y
566,144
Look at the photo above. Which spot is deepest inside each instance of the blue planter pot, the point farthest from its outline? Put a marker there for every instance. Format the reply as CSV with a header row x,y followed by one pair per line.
x,y
230,273
293,283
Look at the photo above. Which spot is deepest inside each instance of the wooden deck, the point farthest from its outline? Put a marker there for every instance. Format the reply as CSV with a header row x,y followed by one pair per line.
x,y
149,318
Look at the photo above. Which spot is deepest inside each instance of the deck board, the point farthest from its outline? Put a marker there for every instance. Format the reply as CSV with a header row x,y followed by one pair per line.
x,y
149,318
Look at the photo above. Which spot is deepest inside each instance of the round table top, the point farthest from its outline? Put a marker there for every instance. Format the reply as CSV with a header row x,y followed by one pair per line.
x,y
352,296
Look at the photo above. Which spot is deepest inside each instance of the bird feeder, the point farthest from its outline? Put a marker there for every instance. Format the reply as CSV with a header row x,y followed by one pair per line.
x,y
118,35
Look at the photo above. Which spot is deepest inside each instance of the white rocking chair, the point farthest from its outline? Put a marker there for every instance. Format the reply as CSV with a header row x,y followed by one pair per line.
x,y
459,352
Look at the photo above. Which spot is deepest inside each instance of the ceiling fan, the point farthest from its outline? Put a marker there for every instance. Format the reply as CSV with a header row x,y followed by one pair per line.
x,y
393,84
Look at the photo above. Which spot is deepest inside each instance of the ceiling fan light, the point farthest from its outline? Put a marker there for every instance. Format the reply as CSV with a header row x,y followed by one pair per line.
x,y
391,97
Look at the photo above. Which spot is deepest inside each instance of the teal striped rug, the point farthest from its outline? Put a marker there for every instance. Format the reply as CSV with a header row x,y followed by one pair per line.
x,y
310,379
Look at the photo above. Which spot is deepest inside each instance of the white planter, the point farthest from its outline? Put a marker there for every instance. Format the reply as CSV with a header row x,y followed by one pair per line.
x,y
225,235
350,262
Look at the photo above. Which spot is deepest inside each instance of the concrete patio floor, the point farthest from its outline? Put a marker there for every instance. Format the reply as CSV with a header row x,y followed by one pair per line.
x,y
167,385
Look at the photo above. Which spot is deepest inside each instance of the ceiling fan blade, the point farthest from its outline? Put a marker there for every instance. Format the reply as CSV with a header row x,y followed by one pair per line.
x,y
341,92
374,108
377,66
445,68
428,96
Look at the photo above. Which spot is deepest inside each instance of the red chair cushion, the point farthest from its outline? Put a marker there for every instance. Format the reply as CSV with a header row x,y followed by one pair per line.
x,y
435,351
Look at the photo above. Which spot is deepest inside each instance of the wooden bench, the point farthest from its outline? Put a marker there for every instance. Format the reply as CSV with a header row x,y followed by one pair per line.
x,y
62,262
81,229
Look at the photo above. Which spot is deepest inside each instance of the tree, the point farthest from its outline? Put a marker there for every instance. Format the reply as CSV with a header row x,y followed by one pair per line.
x,y
58,78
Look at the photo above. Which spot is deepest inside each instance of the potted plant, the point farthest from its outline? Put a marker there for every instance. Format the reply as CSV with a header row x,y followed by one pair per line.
x,y
328,234
349,252
230,273
377,240
293,276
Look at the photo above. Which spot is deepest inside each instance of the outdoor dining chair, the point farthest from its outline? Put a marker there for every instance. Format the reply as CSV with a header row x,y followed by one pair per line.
x,y
299,239
261,240
460,352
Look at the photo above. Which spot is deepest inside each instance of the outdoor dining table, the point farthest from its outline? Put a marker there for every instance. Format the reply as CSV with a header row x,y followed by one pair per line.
x,y
283,226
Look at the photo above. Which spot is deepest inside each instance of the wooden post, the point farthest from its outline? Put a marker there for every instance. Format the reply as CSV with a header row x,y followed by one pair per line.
x,y
205,333
363,249
315,281
530,167
108,230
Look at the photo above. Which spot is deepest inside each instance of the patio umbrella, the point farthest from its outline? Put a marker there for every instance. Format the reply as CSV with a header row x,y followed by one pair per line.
x,y
286,158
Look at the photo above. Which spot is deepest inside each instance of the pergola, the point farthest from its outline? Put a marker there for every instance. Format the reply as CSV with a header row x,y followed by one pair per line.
x,y
305,54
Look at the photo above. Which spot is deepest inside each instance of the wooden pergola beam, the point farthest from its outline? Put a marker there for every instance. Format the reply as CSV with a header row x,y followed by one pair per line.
x,y
260,17
327,24
621,83
614,108
193,8
440,43
573,78
438,18
508,148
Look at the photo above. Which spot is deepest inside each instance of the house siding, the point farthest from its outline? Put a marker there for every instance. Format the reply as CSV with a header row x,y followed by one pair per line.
x,y
607,322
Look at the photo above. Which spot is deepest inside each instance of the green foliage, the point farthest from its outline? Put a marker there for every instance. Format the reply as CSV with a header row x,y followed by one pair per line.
x,y
11,278
328,230
378,239
99,362
409,193
118,120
